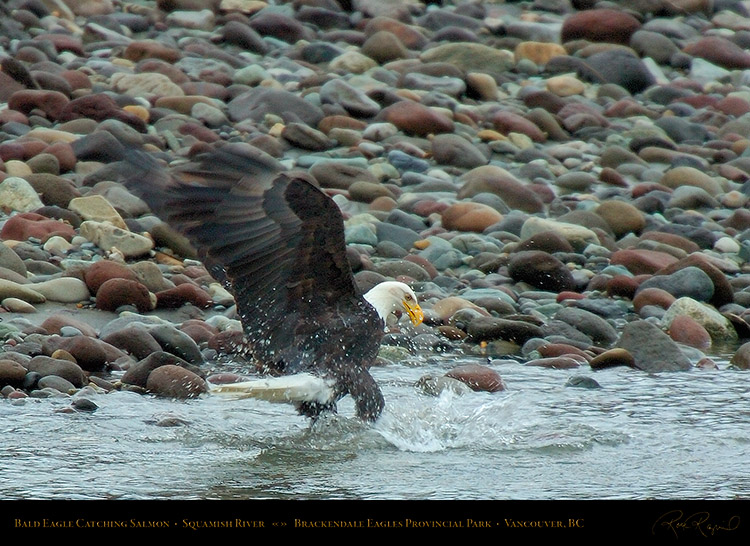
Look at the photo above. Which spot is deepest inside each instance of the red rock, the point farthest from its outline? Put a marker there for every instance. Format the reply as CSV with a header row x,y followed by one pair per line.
x,y
14,116
733,106
150,49
224,378
199,330
741,357
719,51
622,285
671,239
32,147
556,362
639,261
54,323
426,207
652,296
135,340
611,358
175,382
508,122
76,79
568,295
227,342
103,270
8,86
198,131
739,220
115,293
706,363
599,25
182,294
11,373
162,67
409,35
11,150
610,176
561,349
412,117
21,227
545,100
698,101
687,330
99,107
63,42
478,378
641,189
51,103
468,216
89,352
64,154
493,179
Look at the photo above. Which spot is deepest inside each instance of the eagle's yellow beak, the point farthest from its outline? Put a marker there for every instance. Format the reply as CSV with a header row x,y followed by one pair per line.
x,y
414,311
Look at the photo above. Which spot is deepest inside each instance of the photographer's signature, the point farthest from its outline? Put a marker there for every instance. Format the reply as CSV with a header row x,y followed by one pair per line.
x,y
678,522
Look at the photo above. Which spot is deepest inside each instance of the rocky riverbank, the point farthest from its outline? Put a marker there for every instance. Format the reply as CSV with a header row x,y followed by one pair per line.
x,y
562,182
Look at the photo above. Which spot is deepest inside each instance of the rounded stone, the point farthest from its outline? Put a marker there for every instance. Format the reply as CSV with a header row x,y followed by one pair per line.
x,y
175,382
118,292
478,378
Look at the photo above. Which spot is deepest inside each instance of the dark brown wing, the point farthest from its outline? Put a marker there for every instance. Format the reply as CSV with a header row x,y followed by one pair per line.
x,y
277,242
273,237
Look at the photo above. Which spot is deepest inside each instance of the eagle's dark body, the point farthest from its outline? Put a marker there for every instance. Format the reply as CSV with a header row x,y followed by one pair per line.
x,y
276,241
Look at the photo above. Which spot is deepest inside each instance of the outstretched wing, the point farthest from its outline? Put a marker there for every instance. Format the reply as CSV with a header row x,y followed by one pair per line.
x,y
273,237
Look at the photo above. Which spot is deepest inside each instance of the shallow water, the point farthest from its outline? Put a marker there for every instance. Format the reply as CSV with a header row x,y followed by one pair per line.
x,y
669,436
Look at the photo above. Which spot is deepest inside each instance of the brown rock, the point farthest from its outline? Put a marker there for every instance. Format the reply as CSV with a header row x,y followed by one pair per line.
x,y
182,294
652,296
51,103
538,52
103,270
686,330
479,378
508,122
115,293
383,47
741,357
720,51
468,216
494,179
414,118
611,358
138,50
55,322
410,36
541,270
175,382
11,373
599,25
21,227
640,261
134,339
622,217
556,362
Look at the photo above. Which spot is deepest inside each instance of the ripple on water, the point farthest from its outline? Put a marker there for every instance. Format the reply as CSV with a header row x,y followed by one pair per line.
x,y
678,435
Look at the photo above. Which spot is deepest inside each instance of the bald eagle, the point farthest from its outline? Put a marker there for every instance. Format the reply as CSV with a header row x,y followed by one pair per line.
x,y
276,242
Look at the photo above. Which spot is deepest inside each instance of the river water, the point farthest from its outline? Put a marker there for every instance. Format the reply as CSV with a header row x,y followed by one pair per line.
x,y
640,436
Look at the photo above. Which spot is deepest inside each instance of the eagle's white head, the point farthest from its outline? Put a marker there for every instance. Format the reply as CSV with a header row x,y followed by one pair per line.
x,y
394,296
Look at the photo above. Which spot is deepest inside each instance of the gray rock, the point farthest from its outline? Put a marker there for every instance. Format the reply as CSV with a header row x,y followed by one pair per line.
x,y
652,349
690,282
